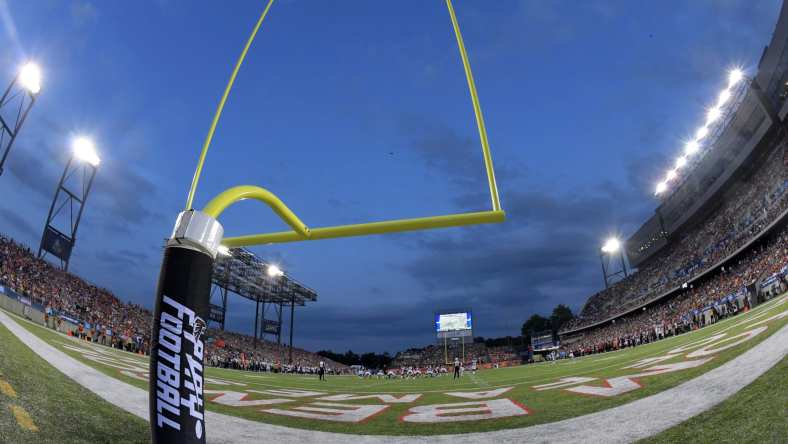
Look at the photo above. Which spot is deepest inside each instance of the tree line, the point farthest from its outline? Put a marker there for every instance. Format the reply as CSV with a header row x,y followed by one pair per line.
x,y
536,324
368,360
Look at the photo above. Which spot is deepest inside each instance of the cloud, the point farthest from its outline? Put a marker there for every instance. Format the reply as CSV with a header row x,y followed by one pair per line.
x,y
10,26
121,198
83,12
539,258
544,254
32,164
541,245
458,158
123,259
22,227
361,329
125,197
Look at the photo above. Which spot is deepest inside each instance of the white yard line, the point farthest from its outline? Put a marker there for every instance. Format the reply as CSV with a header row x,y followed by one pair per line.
x,y
642,418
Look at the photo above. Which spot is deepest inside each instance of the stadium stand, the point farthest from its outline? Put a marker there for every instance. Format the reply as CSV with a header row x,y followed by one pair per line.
x,y
76,307
729,291
717,243
747,208
92,312
233,350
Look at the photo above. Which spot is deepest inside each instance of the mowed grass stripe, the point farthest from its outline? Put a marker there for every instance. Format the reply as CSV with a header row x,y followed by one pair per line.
x,y
59,409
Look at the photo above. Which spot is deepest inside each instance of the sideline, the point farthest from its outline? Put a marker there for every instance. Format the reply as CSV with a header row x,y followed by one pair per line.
x,y
585,363
643,418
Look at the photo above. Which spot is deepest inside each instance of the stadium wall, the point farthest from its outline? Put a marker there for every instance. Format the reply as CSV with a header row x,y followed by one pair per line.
x,y
10,301
13,303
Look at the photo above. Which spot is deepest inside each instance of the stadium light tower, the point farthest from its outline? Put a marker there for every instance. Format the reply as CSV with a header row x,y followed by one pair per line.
x,y
69,201
716,117
274,271
15,105
609,249
224,251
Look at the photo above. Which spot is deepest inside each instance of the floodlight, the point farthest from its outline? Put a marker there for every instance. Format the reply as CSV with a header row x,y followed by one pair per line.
x,y
274,271
712,115
661,187
691,147
702,132
30,77
671,175
680,162
223,250
725,95
611,246
85,150
69,200
734,76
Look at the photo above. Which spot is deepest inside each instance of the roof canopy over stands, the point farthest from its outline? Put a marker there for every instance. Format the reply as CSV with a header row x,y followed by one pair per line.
x,y
245,274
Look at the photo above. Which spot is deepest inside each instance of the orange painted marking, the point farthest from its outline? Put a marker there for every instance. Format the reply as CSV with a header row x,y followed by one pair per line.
x,y
23,418
6,389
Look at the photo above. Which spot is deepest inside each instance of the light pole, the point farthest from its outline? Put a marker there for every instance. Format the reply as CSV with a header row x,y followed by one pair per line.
x,y
717,118
23,90
69,201
610,248
273,272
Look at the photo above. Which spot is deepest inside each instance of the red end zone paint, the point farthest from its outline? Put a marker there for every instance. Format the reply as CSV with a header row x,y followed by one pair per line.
x,y
382,397
519,404
464,411
332,412
625,384
238,399
480,394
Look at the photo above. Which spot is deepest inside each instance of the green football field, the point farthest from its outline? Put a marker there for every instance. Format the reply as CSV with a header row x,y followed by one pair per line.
x,y
488,400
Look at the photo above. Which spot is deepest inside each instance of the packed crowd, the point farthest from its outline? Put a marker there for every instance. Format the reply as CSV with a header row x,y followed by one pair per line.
x,y
101,316
748,207
726,293
96,315
242,352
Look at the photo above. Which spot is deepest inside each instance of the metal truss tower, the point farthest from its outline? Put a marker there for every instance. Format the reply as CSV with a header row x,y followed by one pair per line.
x,y
15,105
65,213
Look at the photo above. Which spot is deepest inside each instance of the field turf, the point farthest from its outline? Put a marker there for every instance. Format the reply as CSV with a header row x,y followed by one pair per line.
x,y
39,404
541,406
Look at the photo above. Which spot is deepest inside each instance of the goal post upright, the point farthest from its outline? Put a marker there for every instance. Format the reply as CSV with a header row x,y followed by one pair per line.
x,y
177,404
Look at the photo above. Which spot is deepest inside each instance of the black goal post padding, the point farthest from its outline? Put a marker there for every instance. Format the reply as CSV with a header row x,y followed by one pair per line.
x,y
177,405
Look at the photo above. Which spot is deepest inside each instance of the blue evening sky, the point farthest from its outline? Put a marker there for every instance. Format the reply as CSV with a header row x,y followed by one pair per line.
x,y
358,111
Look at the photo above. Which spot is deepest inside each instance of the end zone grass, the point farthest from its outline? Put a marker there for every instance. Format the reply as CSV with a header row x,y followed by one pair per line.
x,y
60,409
543,406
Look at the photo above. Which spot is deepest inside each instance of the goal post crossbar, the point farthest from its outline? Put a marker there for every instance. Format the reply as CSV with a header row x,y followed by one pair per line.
x,y
300,231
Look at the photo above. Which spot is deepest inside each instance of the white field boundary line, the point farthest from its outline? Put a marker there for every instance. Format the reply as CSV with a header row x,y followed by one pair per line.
x,y
587,362
643,418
